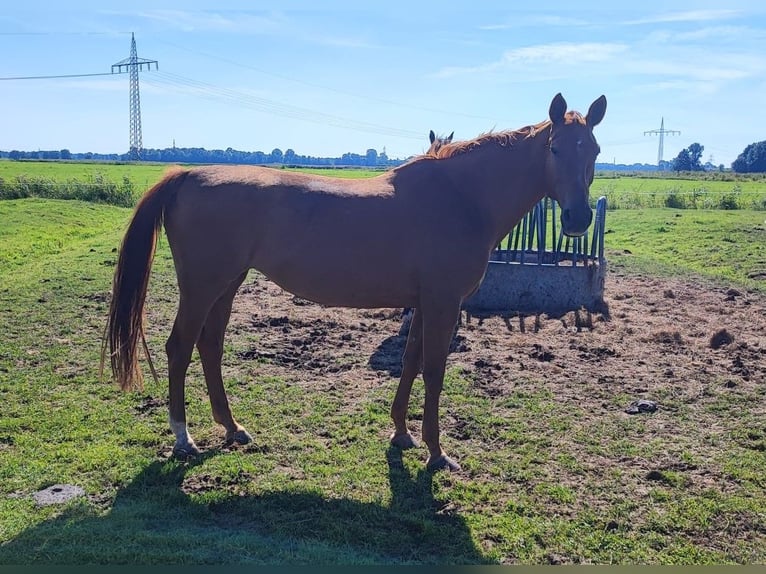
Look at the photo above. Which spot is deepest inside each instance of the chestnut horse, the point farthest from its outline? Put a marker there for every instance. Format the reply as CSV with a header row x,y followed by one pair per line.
x,y
416,236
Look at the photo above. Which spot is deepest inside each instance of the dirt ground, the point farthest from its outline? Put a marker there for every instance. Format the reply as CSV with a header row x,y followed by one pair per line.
x,y
656,334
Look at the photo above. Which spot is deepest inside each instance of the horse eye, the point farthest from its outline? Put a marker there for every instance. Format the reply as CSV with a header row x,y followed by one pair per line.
x,y
554,150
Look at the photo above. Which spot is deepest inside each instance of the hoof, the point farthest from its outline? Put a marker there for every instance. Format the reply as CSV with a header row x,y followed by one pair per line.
x,y
404,441
442,462
185,451
240,436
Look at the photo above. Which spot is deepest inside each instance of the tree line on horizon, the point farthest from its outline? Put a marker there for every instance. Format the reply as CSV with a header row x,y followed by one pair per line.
x,y
751,160
201,155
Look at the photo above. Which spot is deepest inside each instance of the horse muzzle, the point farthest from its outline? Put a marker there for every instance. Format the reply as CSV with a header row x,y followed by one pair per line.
x,y
576,220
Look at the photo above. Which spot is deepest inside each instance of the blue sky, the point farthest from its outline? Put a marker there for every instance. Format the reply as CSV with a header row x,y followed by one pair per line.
x,y
325,78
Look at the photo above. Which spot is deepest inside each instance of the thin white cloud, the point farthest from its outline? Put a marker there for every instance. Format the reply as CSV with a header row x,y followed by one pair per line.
x,y
244,22
344,42
540,55
536,20
738,34
702,63
492,27
688,86
714,72
238,22
564,52
726,34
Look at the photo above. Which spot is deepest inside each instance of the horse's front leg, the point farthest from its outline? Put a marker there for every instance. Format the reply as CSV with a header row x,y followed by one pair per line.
x,y
439,322
411,365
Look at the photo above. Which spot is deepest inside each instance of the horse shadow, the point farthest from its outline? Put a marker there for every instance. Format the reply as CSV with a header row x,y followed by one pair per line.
x,y
153,521
388,355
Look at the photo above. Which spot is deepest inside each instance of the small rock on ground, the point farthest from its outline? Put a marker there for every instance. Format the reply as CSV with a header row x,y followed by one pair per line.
x,y
57,494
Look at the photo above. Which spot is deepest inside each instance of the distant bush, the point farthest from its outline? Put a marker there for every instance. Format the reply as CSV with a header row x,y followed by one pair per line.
x,y
675,200
728,201
96,189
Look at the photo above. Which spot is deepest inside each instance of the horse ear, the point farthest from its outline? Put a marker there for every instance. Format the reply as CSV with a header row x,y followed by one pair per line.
x,y
558,109
449,138
431,136
596,112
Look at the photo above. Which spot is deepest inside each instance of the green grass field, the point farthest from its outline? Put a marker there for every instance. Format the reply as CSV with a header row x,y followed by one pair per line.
x,y
142,175
623,191
717,244
293,498
626,192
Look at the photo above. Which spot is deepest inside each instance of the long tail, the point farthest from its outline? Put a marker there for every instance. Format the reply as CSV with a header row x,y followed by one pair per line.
x,y
125,325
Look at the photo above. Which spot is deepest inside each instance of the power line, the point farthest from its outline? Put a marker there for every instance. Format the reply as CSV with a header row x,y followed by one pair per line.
x,y
273,107
55,77
322,87
61,33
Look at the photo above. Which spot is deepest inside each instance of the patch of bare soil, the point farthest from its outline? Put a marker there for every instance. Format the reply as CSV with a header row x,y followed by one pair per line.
x,y
655,333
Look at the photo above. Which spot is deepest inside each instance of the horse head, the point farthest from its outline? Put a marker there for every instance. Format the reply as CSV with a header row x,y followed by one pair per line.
x,y
570,163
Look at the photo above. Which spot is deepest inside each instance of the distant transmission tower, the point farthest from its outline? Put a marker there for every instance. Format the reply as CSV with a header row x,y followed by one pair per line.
x,y
662,131
133,65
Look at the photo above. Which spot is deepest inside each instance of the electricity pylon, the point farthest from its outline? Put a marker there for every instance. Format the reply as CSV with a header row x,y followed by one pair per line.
x,y
662,131
132,65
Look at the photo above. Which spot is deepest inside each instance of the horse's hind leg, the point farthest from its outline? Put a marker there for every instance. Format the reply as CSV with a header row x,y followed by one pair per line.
x,y
196,300
179,347
210,347
411,364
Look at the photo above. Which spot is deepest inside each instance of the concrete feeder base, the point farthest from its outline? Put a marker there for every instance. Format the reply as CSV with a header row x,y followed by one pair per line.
x,y
531,288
